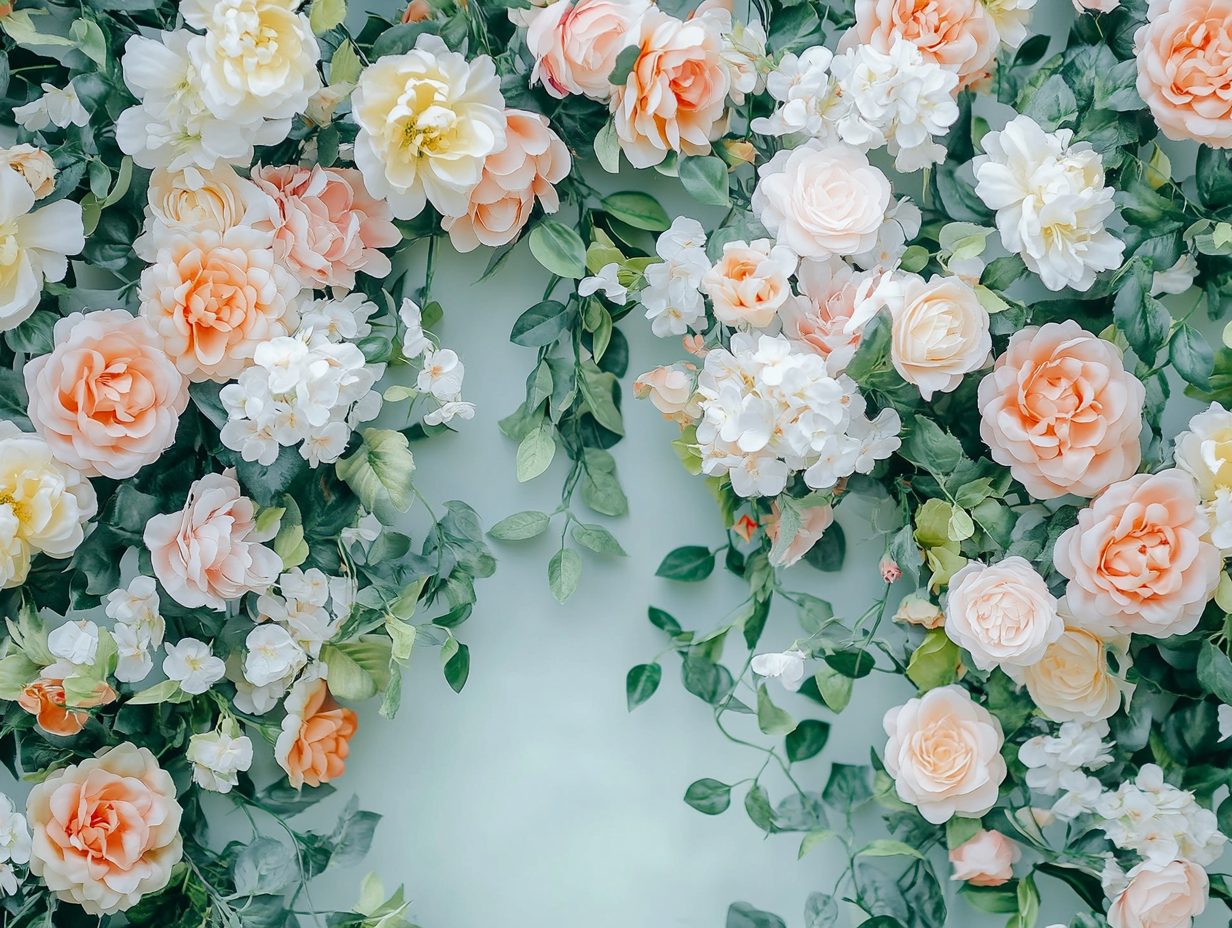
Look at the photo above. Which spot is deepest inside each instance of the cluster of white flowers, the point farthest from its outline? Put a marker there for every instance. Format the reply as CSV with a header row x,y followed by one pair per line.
x,y
866,98
138,629
671,297
214,94
15,845
769,408
442,372
1159,821
1051,202
219,756
1055,765
304,388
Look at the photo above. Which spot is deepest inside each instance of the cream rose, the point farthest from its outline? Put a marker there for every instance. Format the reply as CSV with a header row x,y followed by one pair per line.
x,y
749,284
1072,681
1161,897
192,200
211,551
939,331
34,164
1204,451
986,860
676,92
1137,562
576,45
822,201
428,119
944,753
105,831
1003,614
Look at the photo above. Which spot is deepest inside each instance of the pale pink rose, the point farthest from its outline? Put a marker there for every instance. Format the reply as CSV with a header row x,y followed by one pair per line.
x,y
676,93
34,164
326,226
749,284
959,35
1161,897
211,552
576,45
105,831
821,318
669,388
1137,562
213,298
814,520
1096,6
107,400
1060,410
944,753
1184,55
986,860
1002,613
822,201
533,159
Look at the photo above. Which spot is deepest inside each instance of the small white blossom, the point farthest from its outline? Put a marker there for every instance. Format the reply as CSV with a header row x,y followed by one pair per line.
x,y
272,655
810,100
138,605
75,642
1176,279
1159,821
56,107
8,879
218,757
608,281
134,661
191,664
672,297
448,411
344,319
414,342
366,532
14,833
787,668
1075,746
442,374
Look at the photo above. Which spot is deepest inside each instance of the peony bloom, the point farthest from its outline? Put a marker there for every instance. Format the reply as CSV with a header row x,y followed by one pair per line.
x,y
180,203
1051,202
1166,896
46,700
213,298
1003,614
34,164
676,92
106,830
533,159
959,35
428,119
1204,451
316,732
1060,410
326,226
944,753
34,246
1136,561
1184,55
257,59
107,400
821,318
750,284
939,331
822,201
576,45
986,860
1072,681
211,551
814,520
669,388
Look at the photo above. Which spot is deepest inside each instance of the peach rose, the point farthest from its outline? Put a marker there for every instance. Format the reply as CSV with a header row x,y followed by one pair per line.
x,y
1161,897
313,745
669,388
1137,562
1060,410
417,11
820,318
211,552
957,34
814,520
822,201
326,226
675,95
34,164
46,700
1184,55
749,284
1072,681
944,753
106,831
107,400
576,45
916,609
213,298
533,159
939,331
986,860
193,200
1002,613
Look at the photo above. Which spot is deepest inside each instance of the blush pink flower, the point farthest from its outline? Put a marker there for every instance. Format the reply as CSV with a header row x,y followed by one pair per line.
x,y
814,520
576,45
1137,562
986,860
105,832
1184,55
669,389
533,159
211,552
107,400
1060,410
326,226
1161,897
820,319
959,35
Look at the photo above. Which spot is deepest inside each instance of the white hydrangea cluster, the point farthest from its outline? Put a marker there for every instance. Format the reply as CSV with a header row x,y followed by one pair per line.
x,y
867,98
769,409
138,629
442,371
1055,765
671,297
1159,821
302,389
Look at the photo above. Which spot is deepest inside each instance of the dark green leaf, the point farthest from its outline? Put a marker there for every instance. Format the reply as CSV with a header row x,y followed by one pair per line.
x,y
458,668
848,786
1214,176
624,64
689,564
807,740
542,324
708,796
829,551
640,210
757,807
705,178
1215,672
743,915
1192,356
853,664
641,683
660,619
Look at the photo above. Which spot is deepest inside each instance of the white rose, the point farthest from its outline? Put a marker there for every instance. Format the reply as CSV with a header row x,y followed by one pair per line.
x,y
34,246
1204,451
1003,614
75,642
944,753
1161,897
428,119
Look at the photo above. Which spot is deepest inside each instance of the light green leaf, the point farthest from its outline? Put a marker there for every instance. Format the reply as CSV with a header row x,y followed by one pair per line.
x,y
607,148
705,178
16,671
834,687
558,248
345,66
520,526
324,15
597,539
887,847
640,210
88,37
535,453
563,572
813,838
770,718
167,691
597,387
402,634
381,469
959,830
22,30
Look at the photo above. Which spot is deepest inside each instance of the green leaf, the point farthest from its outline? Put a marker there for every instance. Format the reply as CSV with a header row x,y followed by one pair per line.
x,y
813,838
563,572
597,386
1001,272
886,847
854,663
927,446
640,210
835,688
641,683
829,551
597,539
558,248
625,63
708,796
757,807
848,786
807,740
743,915
662,620
1053,104
382,468
265,866
1214,177
458,667
996,900
16,672
607,148
542,324
347,679
535,453
601,492
770,718
325,15
935,662
959,830
689,564
1192,356
520,526
705,179
166,691
1142,318
813,612
1215,672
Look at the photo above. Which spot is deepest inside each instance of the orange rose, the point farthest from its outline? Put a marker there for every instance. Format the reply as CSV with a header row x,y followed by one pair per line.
x,y
1184,55
958,34
314,745
106,831
46,701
